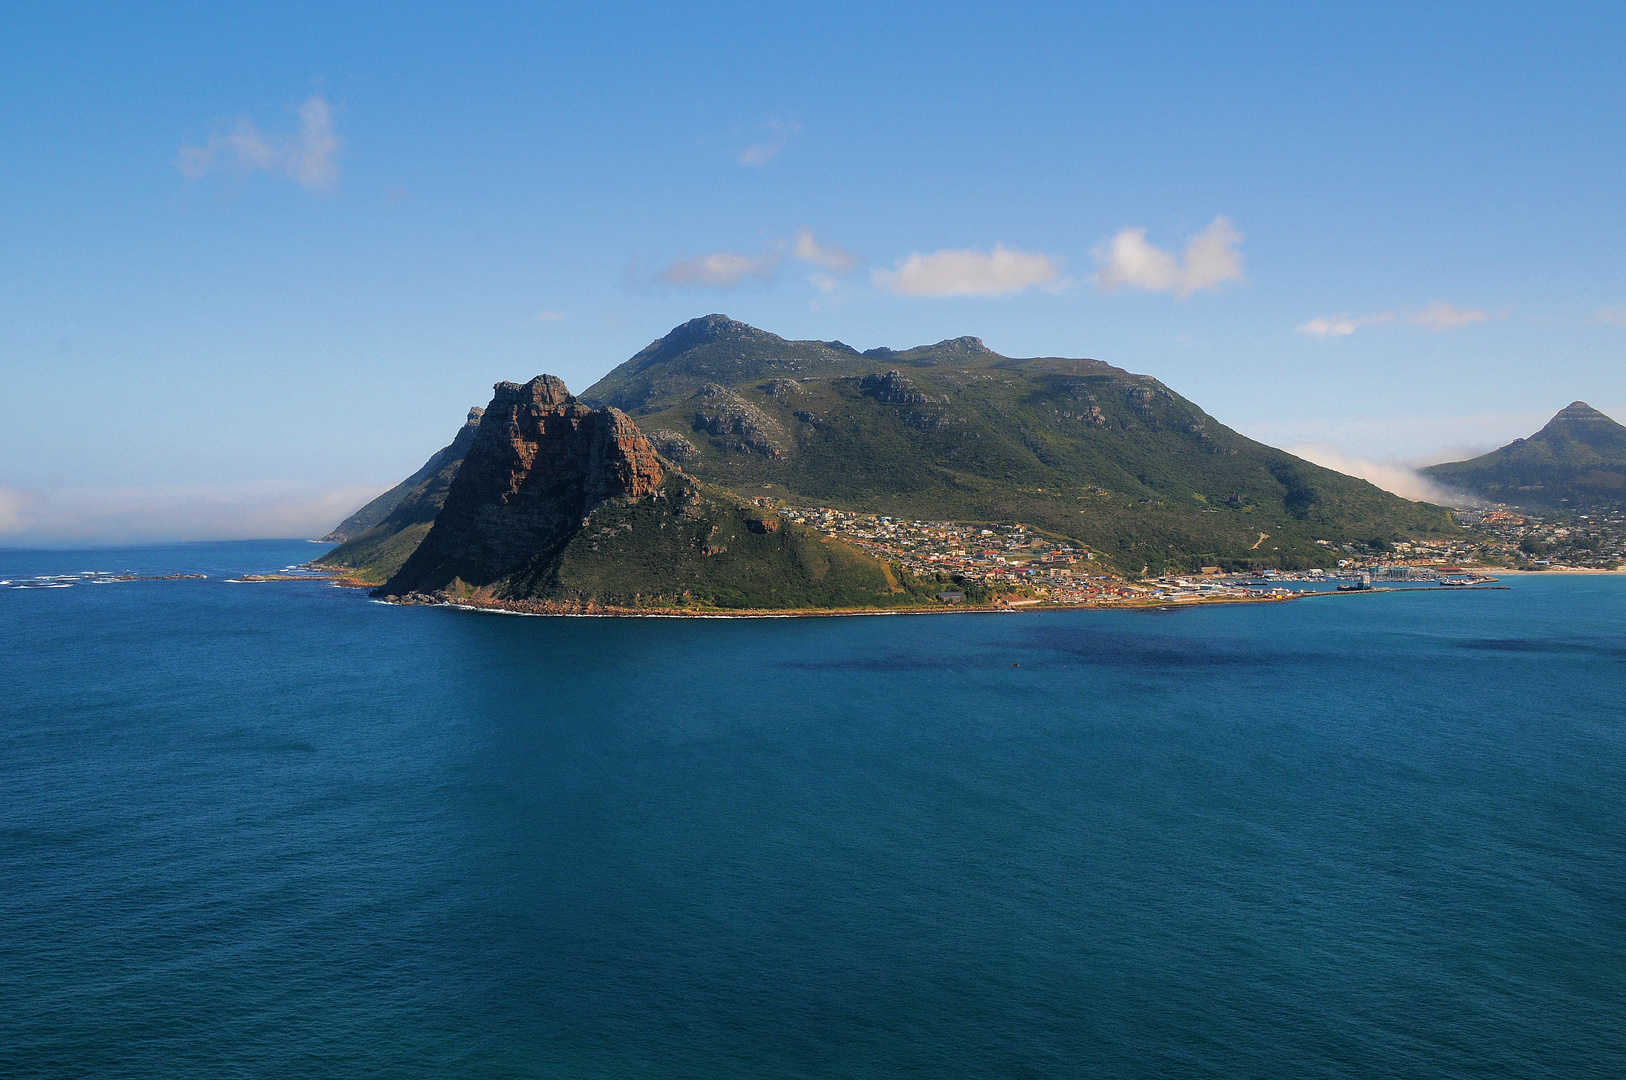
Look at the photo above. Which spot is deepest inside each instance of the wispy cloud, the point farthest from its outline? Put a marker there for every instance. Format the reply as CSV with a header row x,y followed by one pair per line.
x,y
964,272
16,510
1212,258
549,316
829,257
1442,316
1342,325
1615,315
1419,438
1398,477
100,516
308,158
719,270
776,136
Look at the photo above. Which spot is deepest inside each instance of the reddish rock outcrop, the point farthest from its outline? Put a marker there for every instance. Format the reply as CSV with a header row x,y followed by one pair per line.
x,y
540,461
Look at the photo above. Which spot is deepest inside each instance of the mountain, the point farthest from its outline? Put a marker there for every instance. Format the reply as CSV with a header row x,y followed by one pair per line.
x,y
379,537
1577,461
955,431
559,506
380,508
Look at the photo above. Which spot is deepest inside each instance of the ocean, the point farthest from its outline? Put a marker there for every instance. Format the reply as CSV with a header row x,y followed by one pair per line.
x,y
278,830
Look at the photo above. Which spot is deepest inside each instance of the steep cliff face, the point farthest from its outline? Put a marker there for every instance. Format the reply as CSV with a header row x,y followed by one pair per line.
x,y
539,462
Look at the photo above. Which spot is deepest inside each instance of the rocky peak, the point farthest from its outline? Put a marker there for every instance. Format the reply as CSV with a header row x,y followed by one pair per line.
x,y
465,434
539,461
1580,410
1584,424
950,349
705,329
544,391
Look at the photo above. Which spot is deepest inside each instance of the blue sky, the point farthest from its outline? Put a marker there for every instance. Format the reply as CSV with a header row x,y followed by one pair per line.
x,y
255,265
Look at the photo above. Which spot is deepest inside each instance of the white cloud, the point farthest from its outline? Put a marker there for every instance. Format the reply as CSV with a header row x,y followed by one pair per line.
x,y
1397,477
1616,315
1419,439
778,136
549,316
309,159
719,270
131,515
1442,316
825,256
1342,325
963,272
1211,259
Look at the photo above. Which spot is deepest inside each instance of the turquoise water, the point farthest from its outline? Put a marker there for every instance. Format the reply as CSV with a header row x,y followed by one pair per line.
x,y
281,831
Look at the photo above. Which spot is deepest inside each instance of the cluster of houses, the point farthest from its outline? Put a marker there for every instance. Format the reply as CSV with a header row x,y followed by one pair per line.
x,y
1048,570
1591,540
1006,554
992,555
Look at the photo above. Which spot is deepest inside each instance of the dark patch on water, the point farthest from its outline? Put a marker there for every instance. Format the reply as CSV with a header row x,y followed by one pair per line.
x,y
1544,647
1146,650
290,748
891,662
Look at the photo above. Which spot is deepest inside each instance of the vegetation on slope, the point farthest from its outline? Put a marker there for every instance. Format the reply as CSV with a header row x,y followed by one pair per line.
x,y
956,432
1577,461
694,546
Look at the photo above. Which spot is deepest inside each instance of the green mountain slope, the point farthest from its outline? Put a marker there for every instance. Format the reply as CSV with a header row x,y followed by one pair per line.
x,y
956,431
694,546
559,506
1577,461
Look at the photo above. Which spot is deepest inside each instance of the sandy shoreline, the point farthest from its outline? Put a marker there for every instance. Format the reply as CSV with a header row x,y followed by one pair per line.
x,y
1561,570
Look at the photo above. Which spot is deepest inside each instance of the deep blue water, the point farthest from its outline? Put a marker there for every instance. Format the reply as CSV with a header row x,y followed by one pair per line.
x,y
281,831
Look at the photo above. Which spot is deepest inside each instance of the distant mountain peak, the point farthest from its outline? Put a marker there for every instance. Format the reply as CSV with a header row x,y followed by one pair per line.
x,y
708,328
949,349
1582,412
1581,423
1578,459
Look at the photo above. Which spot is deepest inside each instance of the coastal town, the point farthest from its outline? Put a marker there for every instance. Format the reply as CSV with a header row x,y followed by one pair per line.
x,y
1517,539
1017,560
